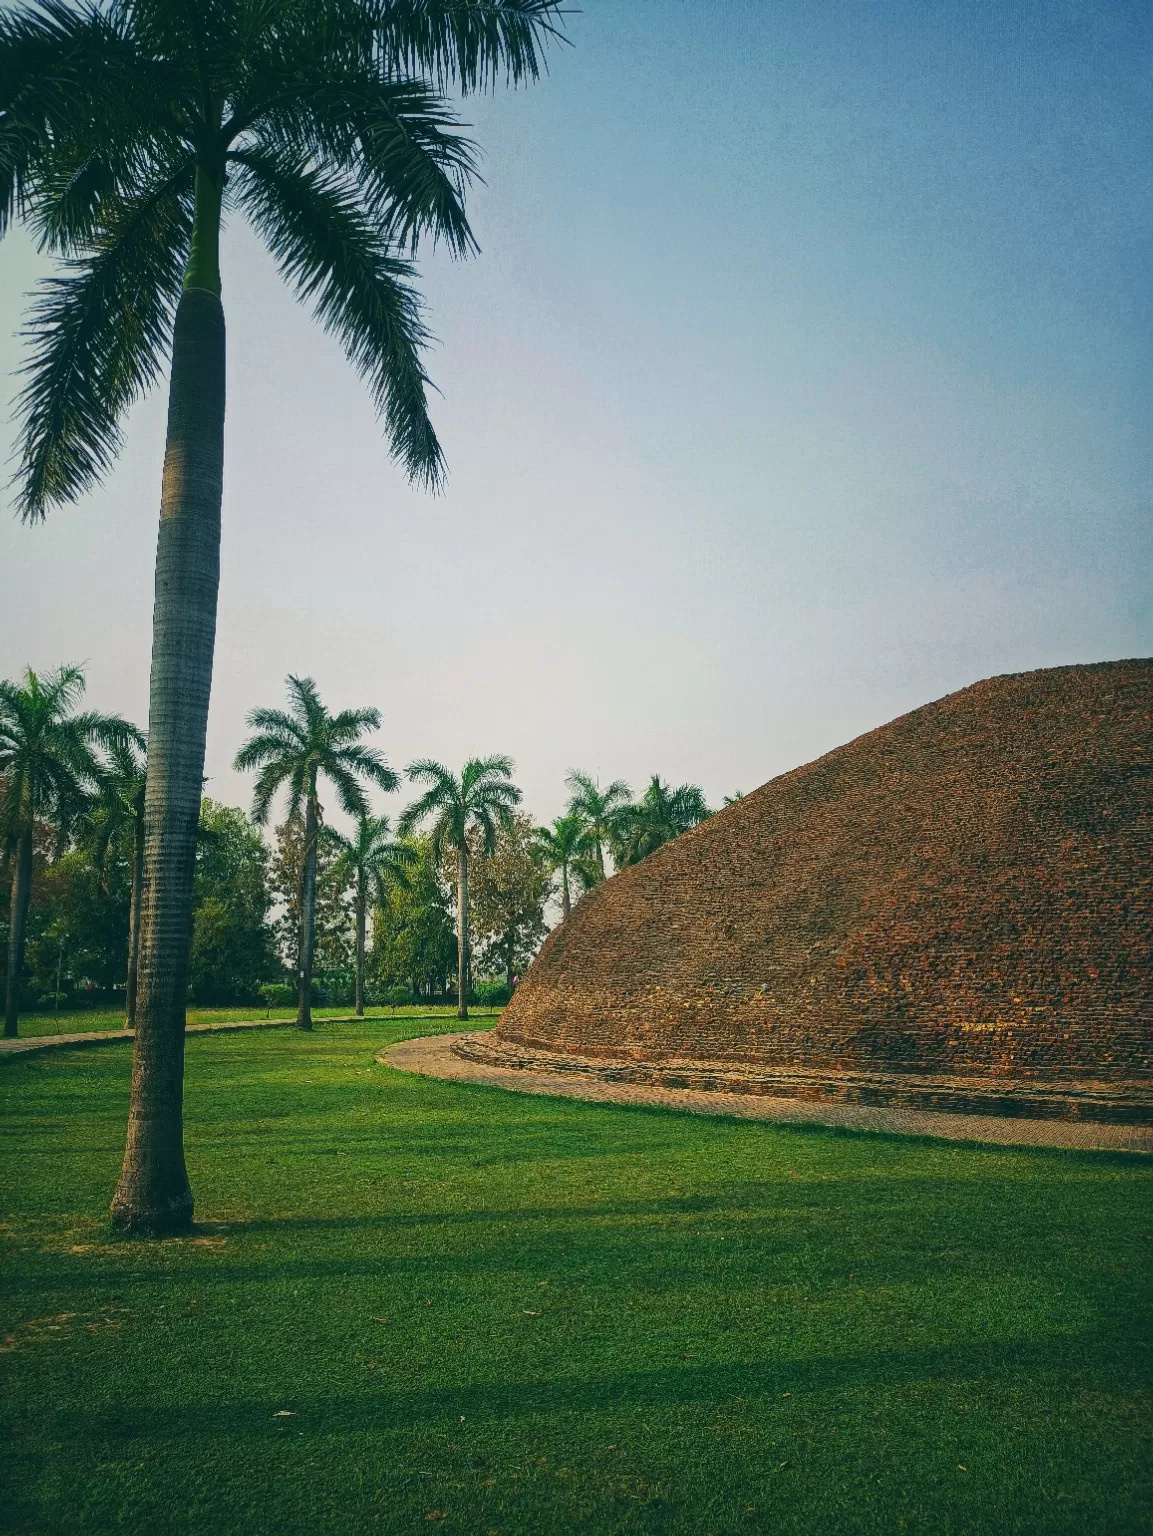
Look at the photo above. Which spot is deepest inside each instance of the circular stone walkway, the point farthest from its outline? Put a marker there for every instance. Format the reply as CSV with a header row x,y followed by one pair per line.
x,y
432,1056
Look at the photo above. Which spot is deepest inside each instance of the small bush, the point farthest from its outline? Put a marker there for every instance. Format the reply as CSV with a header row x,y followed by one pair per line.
x,y
491,993
277,994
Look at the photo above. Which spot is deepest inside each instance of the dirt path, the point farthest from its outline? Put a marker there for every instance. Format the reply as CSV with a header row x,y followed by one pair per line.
x,y
432,1056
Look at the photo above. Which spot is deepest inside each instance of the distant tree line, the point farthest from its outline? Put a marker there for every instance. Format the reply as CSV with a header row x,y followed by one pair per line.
x,y
454,903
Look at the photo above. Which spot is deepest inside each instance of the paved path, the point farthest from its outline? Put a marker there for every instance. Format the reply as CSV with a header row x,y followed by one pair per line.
x,y
432,1056
108,1036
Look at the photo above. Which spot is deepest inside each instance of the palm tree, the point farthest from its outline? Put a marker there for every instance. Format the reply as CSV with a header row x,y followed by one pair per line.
x,y
600,810
482,798
565,847
293,748
661,814
117,821
127,129
371,862
48,772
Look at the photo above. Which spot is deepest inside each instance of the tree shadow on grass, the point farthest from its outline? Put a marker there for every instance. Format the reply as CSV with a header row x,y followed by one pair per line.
x,y
996,1362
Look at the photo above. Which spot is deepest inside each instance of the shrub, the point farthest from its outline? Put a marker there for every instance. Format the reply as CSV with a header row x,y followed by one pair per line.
x,y
277,994
491,993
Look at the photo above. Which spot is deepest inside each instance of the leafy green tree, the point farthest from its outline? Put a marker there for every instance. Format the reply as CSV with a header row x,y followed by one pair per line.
x,y
600,811
293,749
413,941
482,798
116,822
332,919
49,768
232,950
371,862
127,129
565,847
77,934
661,814
508,889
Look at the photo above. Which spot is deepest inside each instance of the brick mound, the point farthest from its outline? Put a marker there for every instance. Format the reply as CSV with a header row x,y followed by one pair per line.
x,y
952,912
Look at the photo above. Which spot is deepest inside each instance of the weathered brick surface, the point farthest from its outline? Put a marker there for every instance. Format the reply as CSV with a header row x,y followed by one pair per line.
x,y
966,893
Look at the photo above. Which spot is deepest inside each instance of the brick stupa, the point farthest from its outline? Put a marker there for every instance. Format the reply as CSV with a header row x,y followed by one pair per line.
x,y
954,911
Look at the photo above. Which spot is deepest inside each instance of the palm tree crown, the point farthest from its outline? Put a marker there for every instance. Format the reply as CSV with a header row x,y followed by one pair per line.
x,y
117,812
661,814
129,128
49,769
482,798
600,810
568,847
292,749
371,857
48,753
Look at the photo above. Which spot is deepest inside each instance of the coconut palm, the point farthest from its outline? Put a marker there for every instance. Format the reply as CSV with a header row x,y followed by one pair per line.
x,y
128,129
566,847
661,814
116,821
293,748
481,799
371,862
49,769
600,810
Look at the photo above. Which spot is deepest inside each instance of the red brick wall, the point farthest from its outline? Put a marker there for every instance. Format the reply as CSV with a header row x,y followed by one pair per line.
x,y
966,890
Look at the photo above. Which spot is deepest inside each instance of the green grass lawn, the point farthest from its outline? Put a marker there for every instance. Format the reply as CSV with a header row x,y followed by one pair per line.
x,y
75,1021
414,1305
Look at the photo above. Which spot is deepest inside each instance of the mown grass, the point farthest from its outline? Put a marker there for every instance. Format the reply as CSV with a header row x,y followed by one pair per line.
x,y
75,1021
414,1305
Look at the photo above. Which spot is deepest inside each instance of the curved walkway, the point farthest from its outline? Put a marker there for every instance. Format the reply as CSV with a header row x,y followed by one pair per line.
x,y
23,1044
432,1056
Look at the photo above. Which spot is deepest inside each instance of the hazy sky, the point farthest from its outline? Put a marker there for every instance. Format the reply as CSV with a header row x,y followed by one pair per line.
x,y
804,377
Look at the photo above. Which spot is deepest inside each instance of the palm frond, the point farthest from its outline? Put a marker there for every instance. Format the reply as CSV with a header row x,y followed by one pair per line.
x,y
75,89
369,764
349,724
470,44
328,248
397,140
100,334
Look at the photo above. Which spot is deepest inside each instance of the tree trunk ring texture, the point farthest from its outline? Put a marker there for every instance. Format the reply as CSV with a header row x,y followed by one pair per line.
x,y
153,1197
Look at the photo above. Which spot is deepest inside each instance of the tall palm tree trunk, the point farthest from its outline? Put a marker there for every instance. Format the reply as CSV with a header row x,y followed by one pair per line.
x,y
17,927
153,1196
361,912
462,933
308,914
134,928
566,900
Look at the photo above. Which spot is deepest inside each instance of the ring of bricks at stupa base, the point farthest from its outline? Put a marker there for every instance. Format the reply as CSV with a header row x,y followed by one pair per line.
x,y
457,1058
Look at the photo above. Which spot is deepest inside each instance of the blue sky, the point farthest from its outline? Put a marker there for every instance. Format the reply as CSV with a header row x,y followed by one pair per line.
x,y
803,377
